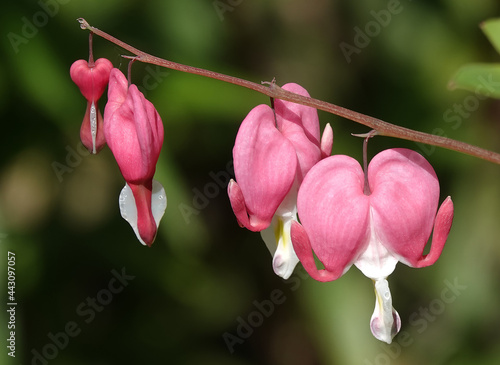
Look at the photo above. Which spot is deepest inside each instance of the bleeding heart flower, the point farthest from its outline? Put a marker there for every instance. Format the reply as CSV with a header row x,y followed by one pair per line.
x,y
372,223
273,151
134,133
91,78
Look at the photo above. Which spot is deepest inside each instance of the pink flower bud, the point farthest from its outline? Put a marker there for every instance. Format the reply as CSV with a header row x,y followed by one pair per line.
x,y
133,129
92,81
134,133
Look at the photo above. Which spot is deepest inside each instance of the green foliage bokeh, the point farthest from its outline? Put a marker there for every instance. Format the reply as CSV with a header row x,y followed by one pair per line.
x,y
203,272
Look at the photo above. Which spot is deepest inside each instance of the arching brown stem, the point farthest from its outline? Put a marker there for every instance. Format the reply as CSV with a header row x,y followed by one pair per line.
x,y
274,91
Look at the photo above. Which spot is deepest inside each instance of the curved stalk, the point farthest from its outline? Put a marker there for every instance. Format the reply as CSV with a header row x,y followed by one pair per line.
x,y
274,91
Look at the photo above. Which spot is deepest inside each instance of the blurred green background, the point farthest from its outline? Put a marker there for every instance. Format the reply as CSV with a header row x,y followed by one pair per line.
x,y
204,275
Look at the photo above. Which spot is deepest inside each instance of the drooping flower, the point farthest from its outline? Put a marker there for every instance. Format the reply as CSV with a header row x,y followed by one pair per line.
x,y
373,228
273,151
134,133
92,78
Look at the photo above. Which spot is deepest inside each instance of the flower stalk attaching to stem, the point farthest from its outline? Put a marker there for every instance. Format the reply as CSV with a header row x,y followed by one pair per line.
x,y
91,52
274,91
366,136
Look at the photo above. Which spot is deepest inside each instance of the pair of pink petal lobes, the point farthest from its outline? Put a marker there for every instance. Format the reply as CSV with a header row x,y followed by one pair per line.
x,y
92,81
133,130
344,224
334,217
300,125
340,222
143,207
265,164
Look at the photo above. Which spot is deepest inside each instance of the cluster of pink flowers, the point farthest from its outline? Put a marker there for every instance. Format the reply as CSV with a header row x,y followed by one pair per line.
x,y
133,130
288,187
372,219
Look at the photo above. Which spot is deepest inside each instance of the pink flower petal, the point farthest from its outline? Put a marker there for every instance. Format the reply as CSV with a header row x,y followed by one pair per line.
x,y
91,80
334,211
117,93
303,250
149,129
265,165
146,224
133,130
239,208
300,125
404,198
442,227
140,207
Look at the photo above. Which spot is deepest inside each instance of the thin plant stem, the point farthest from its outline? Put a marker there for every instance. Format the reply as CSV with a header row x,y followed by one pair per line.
x,y
274,91
129,72
366,136
91,52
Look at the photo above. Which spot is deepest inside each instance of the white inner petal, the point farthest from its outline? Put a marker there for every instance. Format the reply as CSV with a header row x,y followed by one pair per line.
x,y
288,206
279,242
269,237
128,208
277,235
385,322
376,261
93,125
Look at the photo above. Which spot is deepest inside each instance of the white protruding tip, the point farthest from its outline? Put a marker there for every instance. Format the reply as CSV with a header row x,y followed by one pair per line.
x,y
278,240
93,125
385,322
128,208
